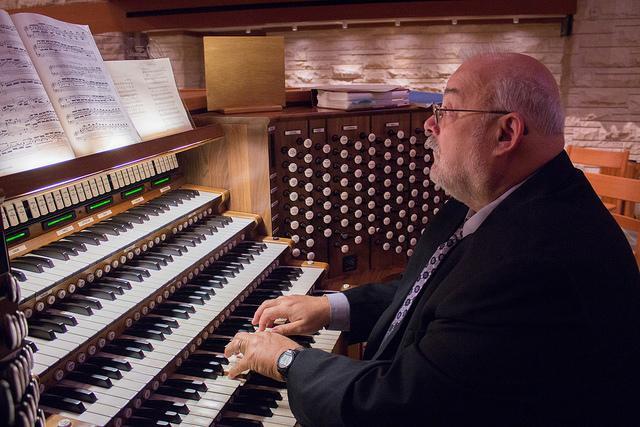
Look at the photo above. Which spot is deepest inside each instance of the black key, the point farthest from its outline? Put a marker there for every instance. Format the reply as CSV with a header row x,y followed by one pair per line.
x,y
145,264
166,250
155,414
108,287
133,269
124,351
105,229
259,393
19,275
135,343
98,293
72,307
145,333
248,408
208,364
61,318
114,362
70,245
93,379
189,393
61,402
45,323
180,306
173,323
127,275
200,290
180,383
82,299
42,332
154,258
134,218
74,393
205,356
257,379
197,372
166,257
172,312
121,222
107,371
116,281
191,299
52,253
100,236
84,238
180,408
183,242
27,266
158,326
36,260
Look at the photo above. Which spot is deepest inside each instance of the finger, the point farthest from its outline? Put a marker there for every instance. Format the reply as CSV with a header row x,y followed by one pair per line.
x,y
240,366
288,328
263,306
270,315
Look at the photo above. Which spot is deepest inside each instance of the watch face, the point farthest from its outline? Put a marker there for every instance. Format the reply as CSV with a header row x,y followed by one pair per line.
x,y
285,359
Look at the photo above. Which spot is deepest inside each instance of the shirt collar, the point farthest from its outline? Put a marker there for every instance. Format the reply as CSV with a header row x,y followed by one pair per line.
x,y
474,220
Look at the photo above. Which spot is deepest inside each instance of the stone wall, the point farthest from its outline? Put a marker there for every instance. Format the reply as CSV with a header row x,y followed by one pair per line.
x,y
601,76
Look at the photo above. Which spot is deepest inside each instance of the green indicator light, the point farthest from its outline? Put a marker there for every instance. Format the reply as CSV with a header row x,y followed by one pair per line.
x,y
59,220
17,236
134,191
160,181
97,205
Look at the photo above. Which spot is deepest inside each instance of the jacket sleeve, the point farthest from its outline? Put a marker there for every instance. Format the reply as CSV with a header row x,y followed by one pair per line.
x,y
366,305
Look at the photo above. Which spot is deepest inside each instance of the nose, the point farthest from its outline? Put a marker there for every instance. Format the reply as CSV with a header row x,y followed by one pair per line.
x,y
430,125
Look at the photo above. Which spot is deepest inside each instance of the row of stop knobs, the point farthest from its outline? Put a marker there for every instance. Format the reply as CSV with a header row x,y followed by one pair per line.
x,y
365,200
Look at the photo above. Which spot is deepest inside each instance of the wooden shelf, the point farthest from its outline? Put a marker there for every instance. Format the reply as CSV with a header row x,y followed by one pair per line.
x,y
22,183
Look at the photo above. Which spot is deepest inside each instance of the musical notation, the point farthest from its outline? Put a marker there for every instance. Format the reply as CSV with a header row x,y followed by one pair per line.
x,y
55,48
44,30
65,83
75,100
74,69
93,114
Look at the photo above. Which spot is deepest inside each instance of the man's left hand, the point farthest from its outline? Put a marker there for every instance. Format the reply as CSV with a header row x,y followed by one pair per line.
x,y
260,352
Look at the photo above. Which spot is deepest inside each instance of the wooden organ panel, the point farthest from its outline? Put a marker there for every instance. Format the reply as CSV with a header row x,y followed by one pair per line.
x,y
134,272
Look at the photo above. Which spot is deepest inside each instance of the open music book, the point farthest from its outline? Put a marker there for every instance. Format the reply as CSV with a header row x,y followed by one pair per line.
x,y
59,100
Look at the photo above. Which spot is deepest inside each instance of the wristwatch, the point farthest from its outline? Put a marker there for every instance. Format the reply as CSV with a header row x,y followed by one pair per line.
x,y
286,359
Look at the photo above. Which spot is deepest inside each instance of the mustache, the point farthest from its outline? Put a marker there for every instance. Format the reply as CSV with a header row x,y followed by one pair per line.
x,y
432,142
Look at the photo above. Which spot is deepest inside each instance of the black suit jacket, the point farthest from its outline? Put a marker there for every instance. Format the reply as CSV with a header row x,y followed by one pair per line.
x,y
532,320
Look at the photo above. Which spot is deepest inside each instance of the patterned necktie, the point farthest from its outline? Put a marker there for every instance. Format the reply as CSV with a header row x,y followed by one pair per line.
x,y
424,277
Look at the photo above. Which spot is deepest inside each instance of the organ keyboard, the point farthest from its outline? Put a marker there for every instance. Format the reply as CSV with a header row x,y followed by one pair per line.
x,y
126,273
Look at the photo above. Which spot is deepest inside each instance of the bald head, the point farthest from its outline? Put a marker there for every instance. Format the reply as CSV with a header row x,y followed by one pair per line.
x,y
519,83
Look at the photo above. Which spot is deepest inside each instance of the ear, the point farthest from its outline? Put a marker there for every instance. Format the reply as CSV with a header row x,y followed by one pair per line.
x,y
511,129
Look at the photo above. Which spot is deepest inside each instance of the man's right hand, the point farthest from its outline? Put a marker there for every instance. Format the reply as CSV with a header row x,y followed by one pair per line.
x,y
306,314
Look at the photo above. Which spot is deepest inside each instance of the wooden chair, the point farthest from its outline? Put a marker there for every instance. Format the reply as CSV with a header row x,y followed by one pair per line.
x,y
608,162
622,189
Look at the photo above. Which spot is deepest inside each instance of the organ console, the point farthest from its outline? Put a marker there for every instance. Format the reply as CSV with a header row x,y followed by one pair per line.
x,y
133,268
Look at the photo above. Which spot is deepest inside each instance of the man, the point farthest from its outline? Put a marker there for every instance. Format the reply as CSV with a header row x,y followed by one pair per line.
x,y
520,306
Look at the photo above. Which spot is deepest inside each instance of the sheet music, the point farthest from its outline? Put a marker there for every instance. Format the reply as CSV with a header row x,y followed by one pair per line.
x,y
150,96
77,82
30,133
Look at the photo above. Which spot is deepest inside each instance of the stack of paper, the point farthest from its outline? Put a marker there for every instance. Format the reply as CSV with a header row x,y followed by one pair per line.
x,y
351,97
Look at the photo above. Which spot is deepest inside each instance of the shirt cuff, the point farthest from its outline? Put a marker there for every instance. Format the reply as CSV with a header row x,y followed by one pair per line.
x,y
340,314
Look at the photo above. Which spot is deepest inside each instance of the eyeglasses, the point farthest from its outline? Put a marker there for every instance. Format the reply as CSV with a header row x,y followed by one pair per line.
x,y
437,112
